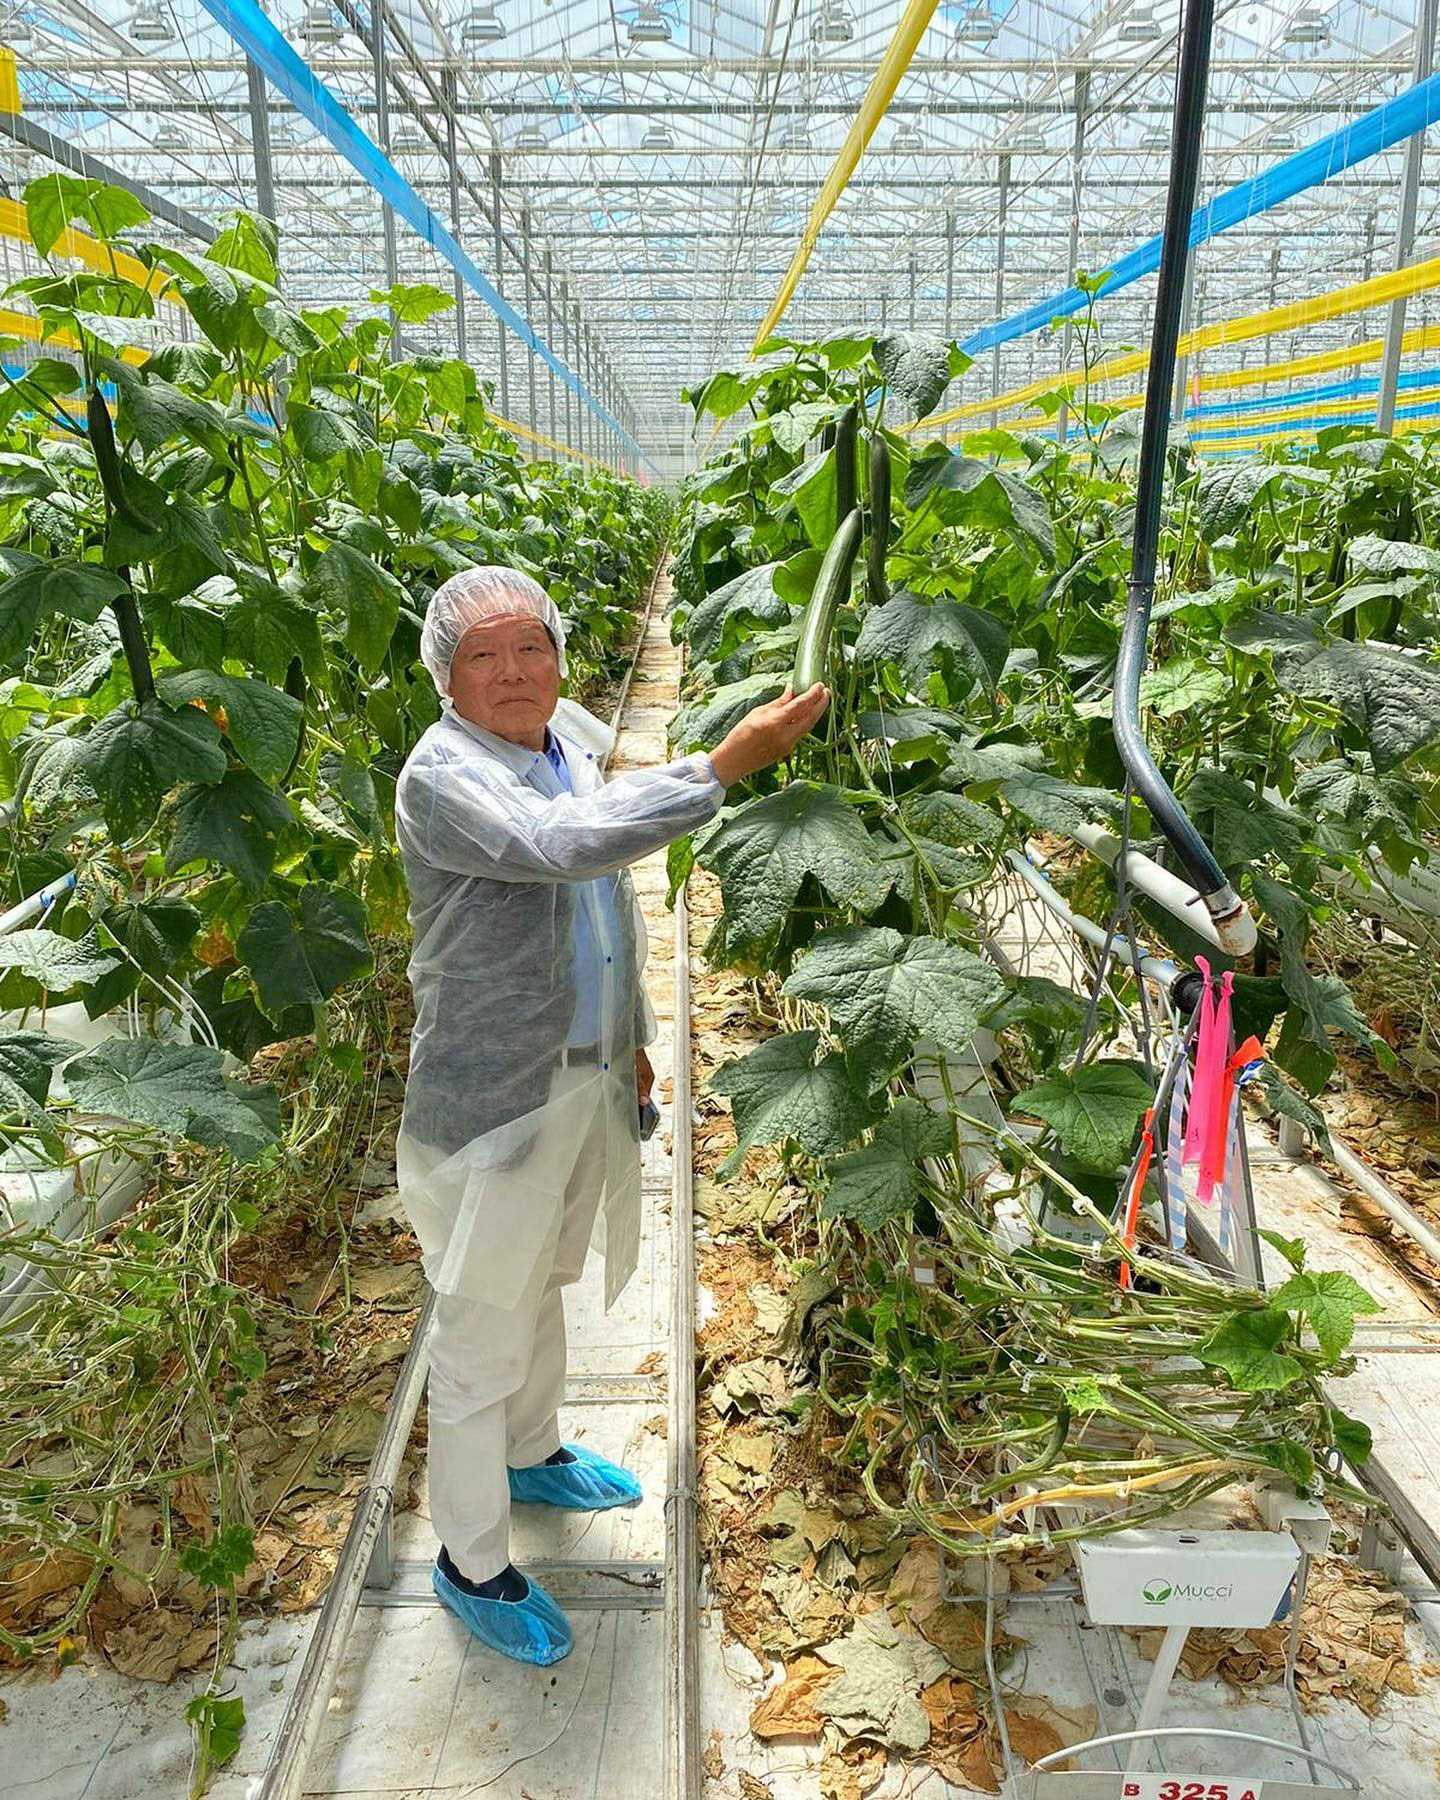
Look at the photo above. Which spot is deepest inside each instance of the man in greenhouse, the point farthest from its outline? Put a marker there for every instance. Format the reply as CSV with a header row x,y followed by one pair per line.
x,y
528,1077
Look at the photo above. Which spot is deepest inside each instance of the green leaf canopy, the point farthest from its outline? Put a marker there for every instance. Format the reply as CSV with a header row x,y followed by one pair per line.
x,y
300,957
909,631
766,848
884,992
879,1183
1393,699
176,1087
780,1092
1094,1110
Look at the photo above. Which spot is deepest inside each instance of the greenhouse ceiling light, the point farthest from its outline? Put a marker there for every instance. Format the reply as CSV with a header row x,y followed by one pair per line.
x,y
407,138
907,138
1028,140
531,138
793,137
483,26
649,26
149,24
1155,140
169,137
657,137
978,26
1280,140
1140,27
319,26
833,23
1309,26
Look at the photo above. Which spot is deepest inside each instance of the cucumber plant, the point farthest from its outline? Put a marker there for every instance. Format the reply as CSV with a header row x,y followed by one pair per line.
x,y
972,670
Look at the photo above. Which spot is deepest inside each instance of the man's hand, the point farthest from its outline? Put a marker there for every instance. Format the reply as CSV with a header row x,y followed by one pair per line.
x,y
644,1077
767,734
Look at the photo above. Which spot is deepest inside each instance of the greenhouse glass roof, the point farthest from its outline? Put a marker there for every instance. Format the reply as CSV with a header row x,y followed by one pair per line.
x,y
660,157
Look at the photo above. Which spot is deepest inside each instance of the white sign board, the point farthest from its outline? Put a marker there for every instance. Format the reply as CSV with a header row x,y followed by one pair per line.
x,y
1235,1578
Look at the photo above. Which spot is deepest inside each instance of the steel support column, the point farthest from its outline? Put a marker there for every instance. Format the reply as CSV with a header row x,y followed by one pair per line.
x,y
452,161
382,138
1077,182
550,339
1405,232
499,243
1003,220
531,418
950,268
260,141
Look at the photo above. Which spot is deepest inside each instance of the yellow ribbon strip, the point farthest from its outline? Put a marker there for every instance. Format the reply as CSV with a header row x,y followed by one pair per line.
x,y
908,33
1380,291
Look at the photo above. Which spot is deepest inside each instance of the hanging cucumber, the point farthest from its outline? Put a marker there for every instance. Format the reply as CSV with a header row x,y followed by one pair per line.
x,y
846,429
107,461
879,521
832,585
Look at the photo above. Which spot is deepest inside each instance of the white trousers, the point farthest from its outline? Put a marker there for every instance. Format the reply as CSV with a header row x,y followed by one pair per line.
x,y
497,1375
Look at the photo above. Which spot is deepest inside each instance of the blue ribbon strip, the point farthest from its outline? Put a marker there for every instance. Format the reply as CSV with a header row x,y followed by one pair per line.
x,y
288,72
1334,390
1388,124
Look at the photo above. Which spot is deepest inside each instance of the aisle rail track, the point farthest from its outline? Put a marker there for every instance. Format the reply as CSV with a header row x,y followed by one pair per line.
x,y
366,1558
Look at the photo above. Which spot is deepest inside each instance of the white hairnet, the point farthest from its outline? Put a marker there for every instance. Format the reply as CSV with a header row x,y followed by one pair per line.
x,y
474,597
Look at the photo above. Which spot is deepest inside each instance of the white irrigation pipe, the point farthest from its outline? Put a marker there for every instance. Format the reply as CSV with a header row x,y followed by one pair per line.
x,y
1147,877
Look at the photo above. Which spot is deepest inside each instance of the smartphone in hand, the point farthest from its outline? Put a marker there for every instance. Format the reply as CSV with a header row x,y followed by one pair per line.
x,y
649,1119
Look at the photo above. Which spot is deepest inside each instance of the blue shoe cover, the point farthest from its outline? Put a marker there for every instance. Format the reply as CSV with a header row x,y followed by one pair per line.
x,y
532,1630
589,1484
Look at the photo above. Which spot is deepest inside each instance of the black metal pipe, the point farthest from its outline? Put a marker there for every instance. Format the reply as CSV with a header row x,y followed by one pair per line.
x,y
1224,905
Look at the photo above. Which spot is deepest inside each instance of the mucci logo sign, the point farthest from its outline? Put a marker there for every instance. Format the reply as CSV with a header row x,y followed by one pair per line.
x,y
1159,1592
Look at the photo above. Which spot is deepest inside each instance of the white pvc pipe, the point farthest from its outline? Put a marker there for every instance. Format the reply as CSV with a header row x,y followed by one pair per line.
x,y
36,904
1147,877
1162,972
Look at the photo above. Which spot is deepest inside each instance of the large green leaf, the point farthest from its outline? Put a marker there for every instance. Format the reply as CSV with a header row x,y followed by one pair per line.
x,y
1244,1346
1331,1300
1094,1110
75,589
879,1183
54,201
1380,556
1227,495
780,1092
884,992
764,850
963,490
26,1060
1239,825
153,934
948,829
908,631
237,823
370,597
178,1088
262,722
917,368
137,754
1059,806
1393,699
752,593
301,956
810,488
56,962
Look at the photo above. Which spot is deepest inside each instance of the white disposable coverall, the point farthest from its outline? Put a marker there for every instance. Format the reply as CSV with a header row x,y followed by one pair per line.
x,y
512,1140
